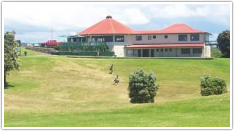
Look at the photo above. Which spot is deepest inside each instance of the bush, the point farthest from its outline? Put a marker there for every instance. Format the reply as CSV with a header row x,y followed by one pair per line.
x,y
213,86
215,52
142,87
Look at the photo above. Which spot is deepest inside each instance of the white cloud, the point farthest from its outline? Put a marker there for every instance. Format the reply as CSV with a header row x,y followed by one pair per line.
x,y
132,16
73,33
173,11
213,12
75,16
68,14
63,15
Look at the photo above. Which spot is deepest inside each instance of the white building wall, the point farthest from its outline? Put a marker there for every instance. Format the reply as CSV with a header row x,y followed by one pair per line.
x,y
117,47
207,37
172,38
207,51
120,51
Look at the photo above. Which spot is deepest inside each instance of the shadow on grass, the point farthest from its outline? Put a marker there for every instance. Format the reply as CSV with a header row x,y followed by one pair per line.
x,y
7,85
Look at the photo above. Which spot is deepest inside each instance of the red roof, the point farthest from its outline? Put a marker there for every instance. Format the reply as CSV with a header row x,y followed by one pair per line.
x,y
173,29
147,32
165,45
107,26
180,28
111,26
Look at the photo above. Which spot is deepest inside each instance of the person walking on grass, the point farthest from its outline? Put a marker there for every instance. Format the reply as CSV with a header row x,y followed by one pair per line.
x,y
116,80
25,53
111,69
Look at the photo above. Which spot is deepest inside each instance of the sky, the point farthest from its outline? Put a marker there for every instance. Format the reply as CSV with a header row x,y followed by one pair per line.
x,y
33,21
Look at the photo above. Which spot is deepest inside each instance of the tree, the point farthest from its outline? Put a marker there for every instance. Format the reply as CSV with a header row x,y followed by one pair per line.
x,y
224,43
19,43
142,87
10,54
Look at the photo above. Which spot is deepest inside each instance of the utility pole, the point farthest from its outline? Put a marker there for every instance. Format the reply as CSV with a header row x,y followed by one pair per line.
x,y
51,32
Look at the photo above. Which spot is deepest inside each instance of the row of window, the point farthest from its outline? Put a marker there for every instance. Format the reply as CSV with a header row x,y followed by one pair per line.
x,y
158,50
184,51
193,37
187,51
120,38
139,37
153,52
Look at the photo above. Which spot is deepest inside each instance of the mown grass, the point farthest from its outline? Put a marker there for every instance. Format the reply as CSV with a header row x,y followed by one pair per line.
x,y
208,112
60,91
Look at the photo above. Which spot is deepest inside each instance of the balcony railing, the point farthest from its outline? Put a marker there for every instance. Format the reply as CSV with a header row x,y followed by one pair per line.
x,y
212,43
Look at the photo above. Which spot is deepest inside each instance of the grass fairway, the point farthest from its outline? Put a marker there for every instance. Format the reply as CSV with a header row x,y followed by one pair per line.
x,y
56,91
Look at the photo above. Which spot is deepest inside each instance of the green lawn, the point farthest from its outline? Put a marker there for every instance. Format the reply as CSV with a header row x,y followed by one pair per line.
x,y
75,92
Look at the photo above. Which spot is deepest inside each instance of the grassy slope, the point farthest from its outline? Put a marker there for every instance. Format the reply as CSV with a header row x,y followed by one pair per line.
x,y
201,112
31,53
60,91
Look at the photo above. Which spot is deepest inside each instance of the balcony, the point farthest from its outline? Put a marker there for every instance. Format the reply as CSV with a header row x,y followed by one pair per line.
x,y
211,43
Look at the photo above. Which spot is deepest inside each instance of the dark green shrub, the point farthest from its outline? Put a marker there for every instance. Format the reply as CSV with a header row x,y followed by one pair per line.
x,y
84,53
213,86
142,87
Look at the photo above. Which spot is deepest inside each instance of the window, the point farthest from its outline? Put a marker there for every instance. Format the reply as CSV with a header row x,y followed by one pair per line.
x,y
100,39
165,36
165,50
154,37
197,51
138,38
170,50
185,51
73,40
139,52
119,38
152,52
135,52
108,38
194,37
182,37
93,40
161,50
157,50
130,52
149,37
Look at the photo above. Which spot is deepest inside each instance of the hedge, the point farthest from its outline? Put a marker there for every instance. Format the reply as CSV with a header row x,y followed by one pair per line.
x,y
84,53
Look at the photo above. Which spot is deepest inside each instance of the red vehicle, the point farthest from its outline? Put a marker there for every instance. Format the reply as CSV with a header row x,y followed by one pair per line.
x,y
50,43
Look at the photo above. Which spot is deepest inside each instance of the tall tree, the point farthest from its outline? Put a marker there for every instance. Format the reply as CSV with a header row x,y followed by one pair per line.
x,y
224,43
10,54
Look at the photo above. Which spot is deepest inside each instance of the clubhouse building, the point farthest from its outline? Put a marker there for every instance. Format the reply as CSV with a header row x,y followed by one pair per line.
x,y
177,40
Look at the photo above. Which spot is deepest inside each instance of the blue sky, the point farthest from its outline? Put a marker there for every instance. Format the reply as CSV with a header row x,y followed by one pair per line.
x,y
32,20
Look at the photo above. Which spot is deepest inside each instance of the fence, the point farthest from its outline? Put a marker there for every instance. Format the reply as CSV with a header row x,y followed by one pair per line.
x,y
83,46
